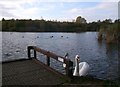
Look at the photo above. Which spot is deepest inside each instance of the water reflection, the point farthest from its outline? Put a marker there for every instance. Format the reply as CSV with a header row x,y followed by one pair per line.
x,y
113,62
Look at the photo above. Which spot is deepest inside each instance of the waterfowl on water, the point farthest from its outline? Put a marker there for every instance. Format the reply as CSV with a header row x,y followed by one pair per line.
x,y
51,36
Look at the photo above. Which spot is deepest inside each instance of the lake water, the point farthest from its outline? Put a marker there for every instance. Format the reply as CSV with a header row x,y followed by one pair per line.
x,y
102,58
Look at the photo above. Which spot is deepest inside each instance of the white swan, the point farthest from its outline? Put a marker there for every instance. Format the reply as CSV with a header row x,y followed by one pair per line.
x,y
81,69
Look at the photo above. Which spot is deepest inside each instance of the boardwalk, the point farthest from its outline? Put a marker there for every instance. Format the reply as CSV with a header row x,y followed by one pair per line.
x,y
33,72
28,72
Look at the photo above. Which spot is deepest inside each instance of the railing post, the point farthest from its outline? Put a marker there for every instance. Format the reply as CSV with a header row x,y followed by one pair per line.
x,y
69,69
69,63
29,53
35,54
48,61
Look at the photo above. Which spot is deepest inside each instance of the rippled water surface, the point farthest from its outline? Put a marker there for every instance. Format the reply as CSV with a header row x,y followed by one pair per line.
x,y
102,58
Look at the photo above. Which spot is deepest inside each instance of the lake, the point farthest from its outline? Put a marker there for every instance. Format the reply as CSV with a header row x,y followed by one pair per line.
x,y
102,58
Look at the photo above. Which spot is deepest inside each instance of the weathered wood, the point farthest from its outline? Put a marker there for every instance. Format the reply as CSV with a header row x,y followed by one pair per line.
x,y
28,72
48,61
14,60
29,54
69,69
35,56
68,62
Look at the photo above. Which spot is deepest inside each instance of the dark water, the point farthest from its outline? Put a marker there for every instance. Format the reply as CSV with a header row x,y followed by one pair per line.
x,y
102,58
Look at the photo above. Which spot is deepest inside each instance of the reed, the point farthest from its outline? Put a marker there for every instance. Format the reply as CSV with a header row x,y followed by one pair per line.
x,y
109,32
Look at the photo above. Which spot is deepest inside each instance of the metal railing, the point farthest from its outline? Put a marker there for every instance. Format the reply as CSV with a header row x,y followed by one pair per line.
x,y
67,62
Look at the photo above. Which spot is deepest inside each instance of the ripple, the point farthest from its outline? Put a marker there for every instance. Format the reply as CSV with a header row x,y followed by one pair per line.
x,y
18,50
7,54
22,36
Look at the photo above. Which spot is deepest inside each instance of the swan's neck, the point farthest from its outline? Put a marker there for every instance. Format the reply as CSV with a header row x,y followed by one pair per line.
x,y
77,66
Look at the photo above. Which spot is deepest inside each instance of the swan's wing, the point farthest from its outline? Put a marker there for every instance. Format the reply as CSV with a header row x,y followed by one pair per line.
x,y
83,68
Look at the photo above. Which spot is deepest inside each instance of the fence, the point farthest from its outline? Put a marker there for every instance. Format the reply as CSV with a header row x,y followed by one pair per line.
x,y
68,64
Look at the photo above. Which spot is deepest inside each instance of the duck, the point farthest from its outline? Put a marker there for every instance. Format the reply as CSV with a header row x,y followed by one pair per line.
x,y
81,68
51,36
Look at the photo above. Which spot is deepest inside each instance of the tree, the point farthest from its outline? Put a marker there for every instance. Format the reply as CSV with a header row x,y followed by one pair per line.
x,y
108,21
79,20
98,21
3,19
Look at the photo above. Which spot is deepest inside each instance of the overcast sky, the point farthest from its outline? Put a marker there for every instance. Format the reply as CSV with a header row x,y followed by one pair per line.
x,y
61,10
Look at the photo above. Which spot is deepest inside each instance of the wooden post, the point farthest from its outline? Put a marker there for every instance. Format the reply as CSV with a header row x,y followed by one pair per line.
x,y
48,61
69,63
35,54
29,53
69,69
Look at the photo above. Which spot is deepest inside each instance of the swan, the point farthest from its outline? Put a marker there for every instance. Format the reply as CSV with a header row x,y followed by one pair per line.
x,y
81,68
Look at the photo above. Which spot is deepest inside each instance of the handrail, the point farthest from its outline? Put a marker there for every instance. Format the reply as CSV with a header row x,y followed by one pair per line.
x,y
67,62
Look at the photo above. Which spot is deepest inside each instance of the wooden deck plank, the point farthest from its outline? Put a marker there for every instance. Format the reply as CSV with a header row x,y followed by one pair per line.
x,y
27,72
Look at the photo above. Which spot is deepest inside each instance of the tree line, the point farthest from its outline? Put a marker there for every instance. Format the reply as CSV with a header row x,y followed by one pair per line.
x,y
29,25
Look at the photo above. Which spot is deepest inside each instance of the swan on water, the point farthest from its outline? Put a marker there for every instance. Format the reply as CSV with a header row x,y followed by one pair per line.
x,y
81,68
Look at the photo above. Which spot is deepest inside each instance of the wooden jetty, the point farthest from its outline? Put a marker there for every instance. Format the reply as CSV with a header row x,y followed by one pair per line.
x,y
31,71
